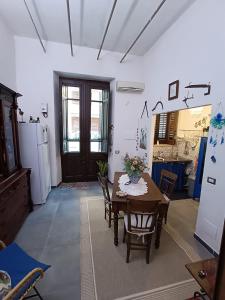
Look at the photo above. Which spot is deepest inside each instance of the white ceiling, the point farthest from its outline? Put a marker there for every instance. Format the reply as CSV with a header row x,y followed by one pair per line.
x,y
89,19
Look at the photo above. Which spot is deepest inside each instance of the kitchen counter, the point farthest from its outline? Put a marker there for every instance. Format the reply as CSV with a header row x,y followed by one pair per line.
x,y
173,165
172,160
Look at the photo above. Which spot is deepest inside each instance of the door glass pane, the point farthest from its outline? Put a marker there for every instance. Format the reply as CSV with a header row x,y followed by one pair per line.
x,y
96,95
96,120
71,92
99,146
71,119
99,120
73,147
9,141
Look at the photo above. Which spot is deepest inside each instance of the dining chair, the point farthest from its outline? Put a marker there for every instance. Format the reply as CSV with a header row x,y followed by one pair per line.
x,y
22,271
103,181
140,224
167,184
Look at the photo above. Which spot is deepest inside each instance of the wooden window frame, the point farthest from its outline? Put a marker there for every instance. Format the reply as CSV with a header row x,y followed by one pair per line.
x,y
170,123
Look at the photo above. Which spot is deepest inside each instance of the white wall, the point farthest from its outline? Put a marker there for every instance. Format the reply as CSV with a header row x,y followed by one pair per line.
x,y
188,117
7,57
192,50
36,80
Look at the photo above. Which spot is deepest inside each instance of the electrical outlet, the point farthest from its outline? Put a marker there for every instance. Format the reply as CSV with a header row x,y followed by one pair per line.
x,y
211,180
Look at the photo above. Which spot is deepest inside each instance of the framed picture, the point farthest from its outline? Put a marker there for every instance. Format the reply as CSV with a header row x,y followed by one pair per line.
x,y
173,90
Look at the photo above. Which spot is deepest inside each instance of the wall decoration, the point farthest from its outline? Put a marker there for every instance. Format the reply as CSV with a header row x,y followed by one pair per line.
x,y
159,102
143,136
145,109
142,131
203,123
137,139
173,92
217,135
187,98
21,113
201,86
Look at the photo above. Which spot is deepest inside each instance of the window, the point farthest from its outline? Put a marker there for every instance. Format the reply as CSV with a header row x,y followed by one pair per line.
x,y
99,120
166,128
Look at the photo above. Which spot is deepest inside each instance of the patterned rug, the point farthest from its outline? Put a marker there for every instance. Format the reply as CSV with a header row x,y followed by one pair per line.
x,y
74,185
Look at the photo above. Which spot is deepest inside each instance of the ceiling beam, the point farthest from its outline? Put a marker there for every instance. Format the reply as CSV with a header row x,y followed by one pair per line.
x,y
69,24
107,27
143,29
35,27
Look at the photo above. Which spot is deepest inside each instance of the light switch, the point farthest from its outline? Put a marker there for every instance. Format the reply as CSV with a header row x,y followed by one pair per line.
x,y
211,180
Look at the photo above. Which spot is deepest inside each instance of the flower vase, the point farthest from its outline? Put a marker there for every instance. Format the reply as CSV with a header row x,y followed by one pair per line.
x,y
134,178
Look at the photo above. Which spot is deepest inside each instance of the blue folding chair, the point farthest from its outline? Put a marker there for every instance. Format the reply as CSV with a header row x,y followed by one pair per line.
x,y
24,271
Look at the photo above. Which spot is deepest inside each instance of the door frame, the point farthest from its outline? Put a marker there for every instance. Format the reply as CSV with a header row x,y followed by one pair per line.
x,y
85,114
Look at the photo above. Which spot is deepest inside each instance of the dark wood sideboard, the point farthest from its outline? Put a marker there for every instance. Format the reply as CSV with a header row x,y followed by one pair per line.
x,y
15,195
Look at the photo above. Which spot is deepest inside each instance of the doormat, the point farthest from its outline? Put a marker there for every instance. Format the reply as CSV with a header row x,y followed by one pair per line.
x,y
74,185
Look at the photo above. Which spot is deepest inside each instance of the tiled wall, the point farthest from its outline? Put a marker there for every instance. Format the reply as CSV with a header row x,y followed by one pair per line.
x,y
165,150
185,148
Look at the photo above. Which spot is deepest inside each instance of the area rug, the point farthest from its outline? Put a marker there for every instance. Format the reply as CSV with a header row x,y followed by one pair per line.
x,y
74,185
105,274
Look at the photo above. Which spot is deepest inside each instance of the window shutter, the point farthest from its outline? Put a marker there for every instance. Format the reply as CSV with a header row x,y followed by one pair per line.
x,y
166,127
172,127
162,126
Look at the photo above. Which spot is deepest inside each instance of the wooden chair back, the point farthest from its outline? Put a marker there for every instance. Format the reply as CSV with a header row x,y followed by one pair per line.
x,y
103,181
144,213
167,182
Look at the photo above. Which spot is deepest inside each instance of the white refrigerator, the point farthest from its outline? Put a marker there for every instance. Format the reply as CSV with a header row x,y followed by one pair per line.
x,y
34,153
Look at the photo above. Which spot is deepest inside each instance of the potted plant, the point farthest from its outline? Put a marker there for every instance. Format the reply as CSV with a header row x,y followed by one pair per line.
x,y
102,168
134,167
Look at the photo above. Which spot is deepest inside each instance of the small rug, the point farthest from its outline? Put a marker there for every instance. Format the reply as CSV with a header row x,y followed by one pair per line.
x,y
105,274
179,196
74,185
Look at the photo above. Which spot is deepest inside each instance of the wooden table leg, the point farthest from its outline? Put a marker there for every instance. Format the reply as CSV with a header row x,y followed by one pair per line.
x,y
158,231
115,228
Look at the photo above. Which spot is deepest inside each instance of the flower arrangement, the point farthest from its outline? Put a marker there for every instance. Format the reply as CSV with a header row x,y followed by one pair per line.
x,y
134,166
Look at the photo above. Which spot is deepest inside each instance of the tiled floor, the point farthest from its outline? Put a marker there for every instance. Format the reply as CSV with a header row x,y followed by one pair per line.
x,y
182,217
52,234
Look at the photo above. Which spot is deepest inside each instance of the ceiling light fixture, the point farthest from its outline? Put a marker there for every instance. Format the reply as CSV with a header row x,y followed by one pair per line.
x,y
69,23
107,27
143,29
35,27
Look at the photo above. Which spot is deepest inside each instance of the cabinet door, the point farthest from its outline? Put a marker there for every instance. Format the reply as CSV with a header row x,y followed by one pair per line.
x,y
7,114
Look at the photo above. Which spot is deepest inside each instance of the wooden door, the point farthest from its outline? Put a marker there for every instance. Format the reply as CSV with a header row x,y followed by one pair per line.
x,y
84,107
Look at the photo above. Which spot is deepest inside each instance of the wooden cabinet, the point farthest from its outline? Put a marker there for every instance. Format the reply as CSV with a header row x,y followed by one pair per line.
x,y
15,196
15,203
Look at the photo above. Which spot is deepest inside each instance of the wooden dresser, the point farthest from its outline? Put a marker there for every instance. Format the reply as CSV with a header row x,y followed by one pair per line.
x,y
15,195
15,204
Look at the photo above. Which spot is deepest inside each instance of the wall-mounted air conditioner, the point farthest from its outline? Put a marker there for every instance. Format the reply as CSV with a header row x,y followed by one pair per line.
x,y
126,86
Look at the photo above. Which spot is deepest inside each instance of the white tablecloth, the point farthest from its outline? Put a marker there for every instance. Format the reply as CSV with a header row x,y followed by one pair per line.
x,y
134,189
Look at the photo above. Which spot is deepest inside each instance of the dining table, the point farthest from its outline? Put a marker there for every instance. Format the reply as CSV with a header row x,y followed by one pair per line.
x,y
153,193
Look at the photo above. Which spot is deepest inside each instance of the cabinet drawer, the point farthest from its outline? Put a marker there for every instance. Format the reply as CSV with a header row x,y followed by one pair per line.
x,y
21,183
15,205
